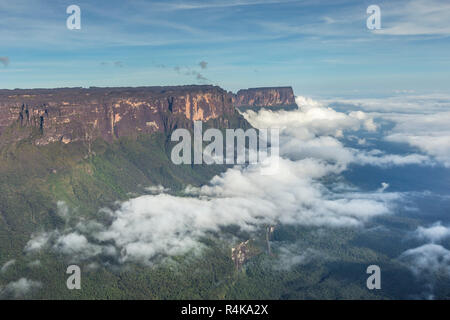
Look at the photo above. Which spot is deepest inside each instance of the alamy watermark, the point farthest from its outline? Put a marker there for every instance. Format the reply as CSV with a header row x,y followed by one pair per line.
x,y
374,280
74,280
73,22
235,147
374,20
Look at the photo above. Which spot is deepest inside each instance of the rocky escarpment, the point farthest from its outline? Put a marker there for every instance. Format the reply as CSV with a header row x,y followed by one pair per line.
x,y
272,97
75,113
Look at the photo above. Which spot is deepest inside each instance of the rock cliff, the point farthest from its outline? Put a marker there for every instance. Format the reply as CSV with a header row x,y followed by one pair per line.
x,y
265,97
73,114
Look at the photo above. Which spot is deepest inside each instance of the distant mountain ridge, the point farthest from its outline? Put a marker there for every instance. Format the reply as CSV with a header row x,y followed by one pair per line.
x,y
73,114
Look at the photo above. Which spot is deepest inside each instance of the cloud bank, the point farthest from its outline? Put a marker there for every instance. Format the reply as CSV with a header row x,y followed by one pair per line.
x,y
315,130
420,121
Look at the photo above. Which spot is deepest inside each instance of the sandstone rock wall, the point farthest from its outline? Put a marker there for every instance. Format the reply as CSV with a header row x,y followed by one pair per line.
x,y
265,97
72,114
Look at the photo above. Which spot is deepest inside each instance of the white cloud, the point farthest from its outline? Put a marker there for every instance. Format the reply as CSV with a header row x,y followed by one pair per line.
x,y
398,104
75,244
291,255
38,241
314,130
421,121
63,210
19,288
157,189
149,226
427,260
153,225
434,233
429,133
314,117
388,160
384,186
417,17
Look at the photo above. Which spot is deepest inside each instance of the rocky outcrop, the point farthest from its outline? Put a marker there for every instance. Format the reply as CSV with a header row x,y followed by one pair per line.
x,y
240,254
75,113
274,97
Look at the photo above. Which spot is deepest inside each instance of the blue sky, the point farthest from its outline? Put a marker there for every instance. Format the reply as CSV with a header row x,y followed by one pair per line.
x,y
318,47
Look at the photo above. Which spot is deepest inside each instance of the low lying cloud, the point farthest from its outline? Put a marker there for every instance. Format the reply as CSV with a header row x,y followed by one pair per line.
x,y
429,133
420,121
19,288
151,226
38,241
315,130
434,233
290,256
157,189
428,259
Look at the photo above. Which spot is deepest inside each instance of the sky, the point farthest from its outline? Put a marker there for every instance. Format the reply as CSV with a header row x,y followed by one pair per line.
x,y
321,48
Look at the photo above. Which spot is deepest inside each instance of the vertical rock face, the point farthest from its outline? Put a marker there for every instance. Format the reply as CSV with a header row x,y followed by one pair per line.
x,y
74,114
240,254
265,97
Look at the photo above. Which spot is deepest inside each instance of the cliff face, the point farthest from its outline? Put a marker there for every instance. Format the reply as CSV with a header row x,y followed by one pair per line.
x,y
72,114
265,97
